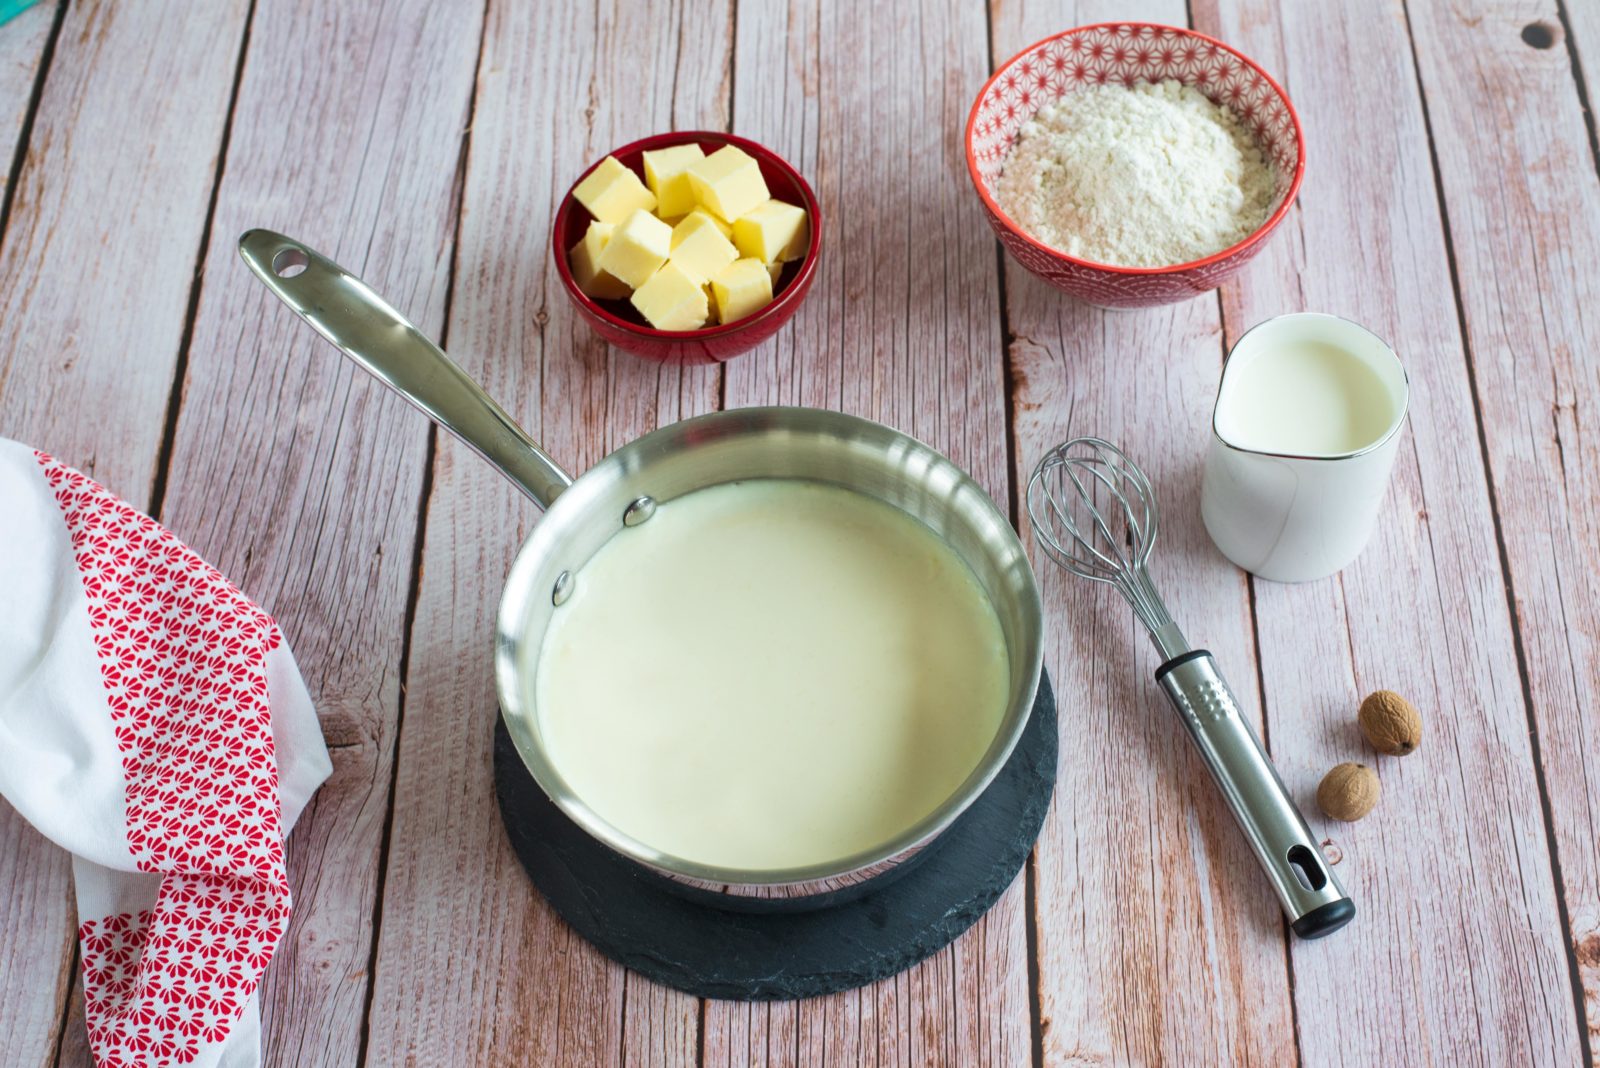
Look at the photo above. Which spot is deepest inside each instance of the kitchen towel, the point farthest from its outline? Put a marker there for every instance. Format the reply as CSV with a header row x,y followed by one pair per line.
x,y
154,725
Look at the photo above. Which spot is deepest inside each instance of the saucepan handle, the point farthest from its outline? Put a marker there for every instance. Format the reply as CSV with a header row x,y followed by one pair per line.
x,y
1311,895
341,308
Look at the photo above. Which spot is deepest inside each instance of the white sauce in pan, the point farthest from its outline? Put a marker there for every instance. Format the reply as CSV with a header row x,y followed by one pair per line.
x,y
771,674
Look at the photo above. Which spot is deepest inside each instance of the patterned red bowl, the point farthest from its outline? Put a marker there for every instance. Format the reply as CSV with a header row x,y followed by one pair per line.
x,y
624,327
1129,52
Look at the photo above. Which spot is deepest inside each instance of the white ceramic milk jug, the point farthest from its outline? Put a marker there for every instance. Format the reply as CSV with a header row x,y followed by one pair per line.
x,y
1304,433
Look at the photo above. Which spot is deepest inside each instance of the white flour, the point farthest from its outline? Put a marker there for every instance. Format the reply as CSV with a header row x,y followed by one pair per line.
x,y
1143,177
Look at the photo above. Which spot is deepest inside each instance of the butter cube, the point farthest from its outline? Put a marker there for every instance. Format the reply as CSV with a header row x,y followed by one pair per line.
x,y
726,228
767,231
612,192
672,300
775,269
800,243
728,182
742,288
637,249
699,247
584,259
664,172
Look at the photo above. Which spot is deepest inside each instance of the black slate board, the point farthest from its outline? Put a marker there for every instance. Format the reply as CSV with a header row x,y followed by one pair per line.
x,y
767,956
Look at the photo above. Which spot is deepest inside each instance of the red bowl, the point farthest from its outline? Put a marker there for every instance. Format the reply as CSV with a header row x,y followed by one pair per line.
x,y
619,323
1129,52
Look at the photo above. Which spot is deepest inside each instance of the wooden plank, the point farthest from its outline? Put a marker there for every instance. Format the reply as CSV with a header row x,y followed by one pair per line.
x,y
23,43
903,326
74,1048
1494,983
291,470
37,925
1451,875
97,258
1158,939
473,967
1517,170
83,271
36,913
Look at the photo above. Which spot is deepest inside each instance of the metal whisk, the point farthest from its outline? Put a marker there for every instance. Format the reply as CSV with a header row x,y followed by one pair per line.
x,y
1094,477
1095,514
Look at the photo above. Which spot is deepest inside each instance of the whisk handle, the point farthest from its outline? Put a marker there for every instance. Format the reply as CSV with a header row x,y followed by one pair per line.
x,y
1311,895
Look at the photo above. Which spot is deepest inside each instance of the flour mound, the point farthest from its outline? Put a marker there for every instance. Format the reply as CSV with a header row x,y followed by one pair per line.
x,y
1145,176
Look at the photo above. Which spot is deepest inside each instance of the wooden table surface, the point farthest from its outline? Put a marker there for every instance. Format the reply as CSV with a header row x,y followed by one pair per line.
x,y
1452,204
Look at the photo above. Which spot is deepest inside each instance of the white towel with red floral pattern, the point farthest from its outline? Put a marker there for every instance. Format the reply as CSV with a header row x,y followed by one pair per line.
x,y
153,724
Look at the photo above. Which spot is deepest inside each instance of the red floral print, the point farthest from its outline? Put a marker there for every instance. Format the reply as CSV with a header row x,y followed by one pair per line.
x,y
182,654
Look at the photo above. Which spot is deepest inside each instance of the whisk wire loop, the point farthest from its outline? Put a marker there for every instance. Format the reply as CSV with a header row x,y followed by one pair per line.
x,y
1115,561
1137,538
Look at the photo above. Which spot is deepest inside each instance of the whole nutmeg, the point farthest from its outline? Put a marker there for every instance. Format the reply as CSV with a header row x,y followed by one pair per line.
x,y
1390,723
1348,792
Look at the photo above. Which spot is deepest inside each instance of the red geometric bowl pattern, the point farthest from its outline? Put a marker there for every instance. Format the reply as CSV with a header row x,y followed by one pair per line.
x,y
1129,53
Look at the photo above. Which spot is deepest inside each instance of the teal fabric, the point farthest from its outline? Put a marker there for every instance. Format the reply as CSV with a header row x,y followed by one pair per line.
x,y
10,9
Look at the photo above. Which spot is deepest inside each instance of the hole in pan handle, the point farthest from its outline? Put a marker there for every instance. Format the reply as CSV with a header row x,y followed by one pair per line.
x,y
363,326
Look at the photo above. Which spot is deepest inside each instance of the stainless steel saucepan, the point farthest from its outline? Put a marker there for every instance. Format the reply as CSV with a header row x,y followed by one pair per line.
x,y
624,489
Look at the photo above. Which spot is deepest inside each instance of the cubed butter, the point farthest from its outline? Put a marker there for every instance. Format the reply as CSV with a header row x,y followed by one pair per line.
x,y
726,228
728,182
584,259
612,192
800,243
768,230
742,288
674,220
637,248
664,173
699,247
672,300
775,269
